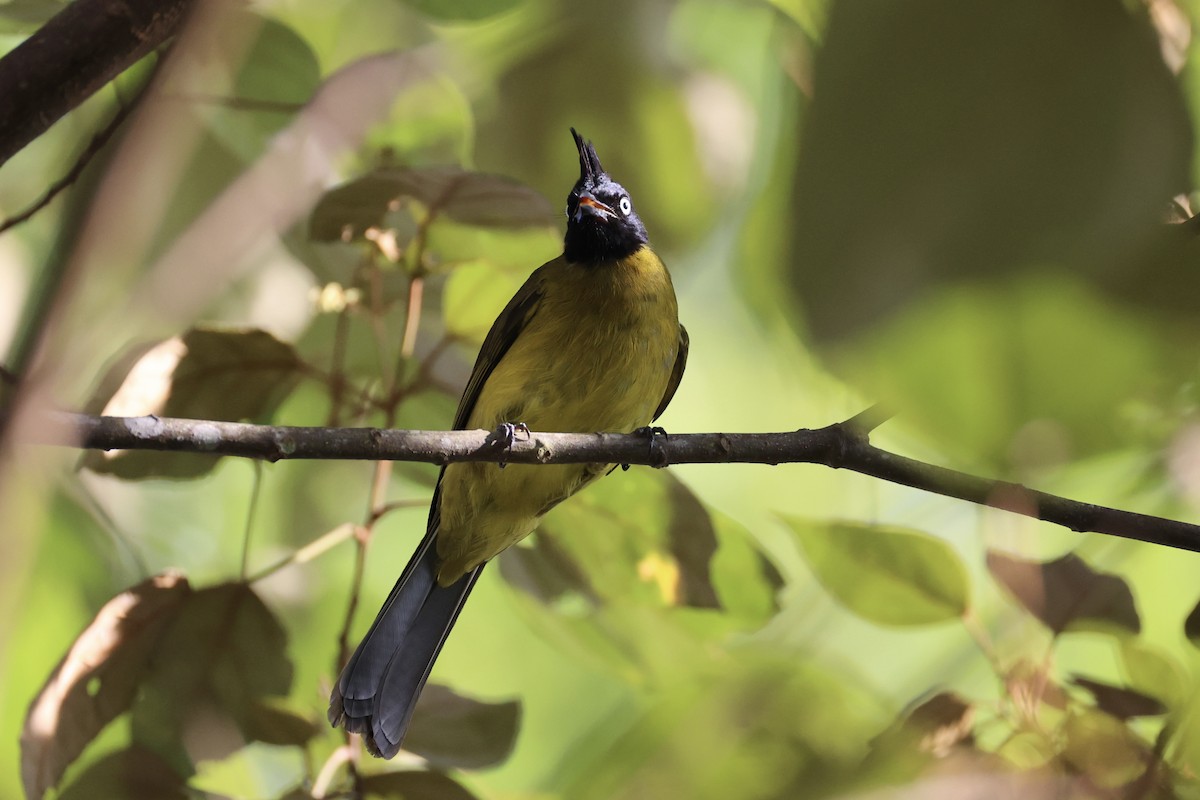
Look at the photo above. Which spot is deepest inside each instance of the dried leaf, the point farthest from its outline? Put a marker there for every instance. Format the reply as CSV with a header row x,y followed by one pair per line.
x,y
1120,702
891,576
132,774
414,786
226,375
1067,594
97,679
452,731
222,656
472,198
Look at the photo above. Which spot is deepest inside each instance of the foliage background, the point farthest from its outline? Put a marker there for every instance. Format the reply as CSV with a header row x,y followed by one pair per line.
x,y
959,211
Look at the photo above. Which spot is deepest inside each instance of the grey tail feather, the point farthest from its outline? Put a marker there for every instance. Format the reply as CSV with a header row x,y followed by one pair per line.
x,y
379,686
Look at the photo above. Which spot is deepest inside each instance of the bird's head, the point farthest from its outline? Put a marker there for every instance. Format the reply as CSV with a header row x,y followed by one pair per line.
x,y
601,222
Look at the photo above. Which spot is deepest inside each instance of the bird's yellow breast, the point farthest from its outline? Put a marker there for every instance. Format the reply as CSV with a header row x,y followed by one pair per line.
x,y
596,355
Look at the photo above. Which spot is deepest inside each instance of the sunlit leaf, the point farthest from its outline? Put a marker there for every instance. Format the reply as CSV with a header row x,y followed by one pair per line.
x,y
1119,701
133,774
1103,748
472,198
204,374
222,657
455,732
97,679
1067,594
414,786
891,576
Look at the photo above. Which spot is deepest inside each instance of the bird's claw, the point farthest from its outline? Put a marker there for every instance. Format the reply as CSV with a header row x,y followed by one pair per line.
x,y
505,435
658,453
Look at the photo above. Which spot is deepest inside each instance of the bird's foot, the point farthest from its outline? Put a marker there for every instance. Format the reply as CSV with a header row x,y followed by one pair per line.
x,y
504,436
658,450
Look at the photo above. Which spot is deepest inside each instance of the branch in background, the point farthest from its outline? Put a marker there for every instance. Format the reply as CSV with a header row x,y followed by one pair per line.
x,y
99,139
72,56
844,445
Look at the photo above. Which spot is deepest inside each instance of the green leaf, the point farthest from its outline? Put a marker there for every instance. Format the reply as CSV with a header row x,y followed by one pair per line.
x,y
97,679
462,10
222,657
383,199
455,732
132,774
206,373
891,576
1067,594
278,76
1103,748
1153,673
414,786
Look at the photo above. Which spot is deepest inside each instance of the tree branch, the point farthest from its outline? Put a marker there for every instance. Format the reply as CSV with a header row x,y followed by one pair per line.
x,y
844,445
68,59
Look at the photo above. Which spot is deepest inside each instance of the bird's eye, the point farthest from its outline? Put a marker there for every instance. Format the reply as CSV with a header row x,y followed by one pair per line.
x,y
625,206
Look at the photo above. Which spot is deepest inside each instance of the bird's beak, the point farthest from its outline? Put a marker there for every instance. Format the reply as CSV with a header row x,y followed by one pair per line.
x,y
588,204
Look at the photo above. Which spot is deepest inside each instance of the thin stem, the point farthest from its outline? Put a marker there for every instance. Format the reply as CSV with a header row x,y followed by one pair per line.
x,y
255,494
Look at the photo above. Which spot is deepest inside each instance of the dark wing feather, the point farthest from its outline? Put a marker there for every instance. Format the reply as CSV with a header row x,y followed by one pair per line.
x,y
676,372
504,332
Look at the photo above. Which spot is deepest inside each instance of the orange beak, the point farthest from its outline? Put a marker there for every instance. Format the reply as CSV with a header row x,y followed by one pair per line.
x,y
593,206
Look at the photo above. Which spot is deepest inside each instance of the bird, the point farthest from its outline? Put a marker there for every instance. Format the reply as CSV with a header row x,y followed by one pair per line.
x,y
590,342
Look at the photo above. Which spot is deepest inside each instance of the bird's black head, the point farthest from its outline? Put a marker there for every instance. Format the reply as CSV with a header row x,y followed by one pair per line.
x,y
601,222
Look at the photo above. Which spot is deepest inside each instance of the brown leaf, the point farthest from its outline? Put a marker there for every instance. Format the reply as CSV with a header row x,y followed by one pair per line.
x,y
452,731
1067,594
223,654
414,786
97,679
941,722
1120,702
471,198
693,543
228,375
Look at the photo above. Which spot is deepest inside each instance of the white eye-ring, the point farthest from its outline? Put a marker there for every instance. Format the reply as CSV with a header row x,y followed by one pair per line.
x,y
625,206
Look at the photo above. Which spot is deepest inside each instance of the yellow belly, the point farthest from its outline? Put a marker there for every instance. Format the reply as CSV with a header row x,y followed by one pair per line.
x,y
596,356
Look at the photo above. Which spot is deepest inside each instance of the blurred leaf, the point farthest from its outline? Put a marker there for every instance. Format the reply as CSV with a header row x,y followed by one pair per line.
x,y
996,373
455,732
462,10
746,580
1153,673
810,15
1067,594
26,16
264,721
897,189
279,74
97,679
475,294
1191,626
891,576
1103,748
204,374
543,570
1120,702
693,543
133,774
222,656
414,786
472,198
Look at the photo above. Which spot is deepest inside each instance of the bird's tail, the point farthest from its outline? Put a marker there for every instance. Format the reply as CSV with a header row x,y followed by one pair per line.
x,y
379,686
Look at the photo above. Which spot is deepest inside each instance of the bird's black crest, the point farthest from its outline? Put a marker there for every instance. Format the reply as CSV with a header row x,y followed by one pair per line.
x,y
589,162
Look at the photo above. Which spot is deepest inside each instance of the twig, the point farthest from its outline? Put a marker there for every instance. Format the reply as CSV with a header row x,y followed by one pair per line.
x,y
835,446
72,56
99,139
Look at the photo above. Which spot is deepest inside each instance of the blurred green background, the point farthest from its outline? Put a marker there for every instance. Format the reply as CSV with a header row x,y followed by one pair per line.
x,y
960,210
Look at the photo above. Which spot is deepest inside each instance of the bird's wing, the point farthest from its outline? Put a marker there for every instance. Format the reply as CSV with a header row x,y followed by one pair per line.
x,y
504,332
676,372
